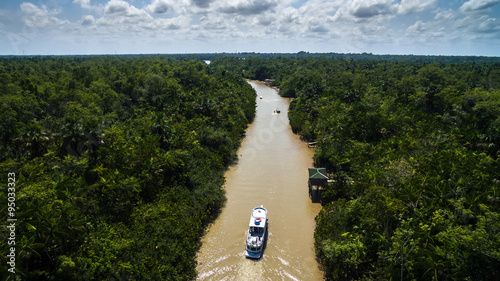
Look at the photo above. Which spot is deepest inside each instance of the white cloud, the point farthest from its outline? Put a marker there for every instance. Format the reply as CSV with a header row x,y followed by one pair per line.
x,y
176,23
287,22
160,6
478,5
262,20
88,20
448,15
317,27
246,7
413,6
370,8
445,27
202,3
475,27
418,28
121,8
120,16
118,7
248,23
358,11
489,25
34,16
290,15
213,23
85,4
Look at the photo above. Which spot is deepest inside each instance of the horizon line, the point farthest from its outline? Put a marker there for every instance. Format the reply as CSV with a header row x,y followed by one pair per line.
x,y
305,53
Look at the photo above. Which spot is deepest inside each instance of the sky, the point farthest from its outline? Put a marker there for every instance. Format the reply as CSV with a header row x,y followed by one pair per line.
x,y
419,27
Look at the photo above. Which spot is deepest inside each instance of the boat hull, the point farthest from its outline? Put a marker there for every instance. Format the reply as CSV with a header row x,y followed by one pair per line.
x,y
257,233
253,255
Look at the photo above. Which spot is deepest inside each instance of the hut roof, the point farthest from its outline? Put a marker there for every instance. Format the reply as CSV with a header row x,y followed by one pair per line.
x,y
317,173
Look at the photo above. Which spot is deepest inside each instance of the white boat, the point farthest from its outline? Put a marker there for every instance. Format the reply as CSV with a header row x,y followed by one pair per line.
x,y
256,233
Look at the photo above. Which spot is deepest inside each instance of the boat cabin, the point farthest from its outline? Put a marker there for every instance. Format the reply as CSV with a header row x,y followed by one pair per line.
x,y
256,233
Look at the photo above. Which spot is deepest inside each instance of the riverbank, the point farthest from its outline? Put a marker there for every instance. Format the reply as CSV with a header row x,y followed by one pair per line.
x,y
271,171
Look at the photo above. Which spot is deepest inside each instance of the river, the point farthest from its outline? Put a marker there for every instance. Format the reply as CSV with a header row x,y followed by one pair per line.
x,y
271,171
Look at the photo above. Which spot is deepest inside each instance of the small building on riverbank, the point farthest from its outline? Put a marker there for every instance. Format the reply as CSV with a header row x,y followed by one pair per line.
x,y
269,81
317,181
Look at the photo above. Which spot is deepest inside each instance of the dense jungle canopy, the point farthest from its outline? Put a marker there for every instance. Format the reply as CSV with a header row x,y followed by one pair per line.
x,y
414,150
119,161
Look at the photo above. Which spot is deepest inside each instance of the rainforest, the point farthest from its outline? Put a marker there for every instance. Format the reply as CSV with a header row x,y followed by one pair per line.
x,y
119,163
120,160
413,149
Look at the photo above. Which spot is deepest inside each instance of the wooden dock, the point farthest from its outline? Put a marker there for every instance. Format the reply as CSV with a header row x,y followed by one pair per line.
x,y
312,144
315,193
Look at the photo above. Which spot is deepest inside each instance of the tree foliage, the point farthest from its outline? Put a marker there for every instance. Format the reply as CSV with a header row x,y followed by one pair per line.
x,y
119,162
414,149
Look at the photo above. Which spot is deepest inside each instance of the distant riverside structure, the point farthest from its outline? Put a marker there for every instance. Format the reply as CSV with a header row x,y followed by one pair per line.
x,y
317,181
268,81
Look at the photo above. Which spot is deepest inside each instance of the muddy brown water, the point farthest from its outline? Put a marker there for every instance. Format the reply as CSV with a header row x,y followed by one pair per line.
x,y
271,171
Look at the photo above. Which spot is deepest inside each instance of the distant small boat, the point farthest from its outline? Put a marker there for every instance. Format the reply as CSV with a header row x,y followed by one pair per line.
x,y
256,233
260,97
277,110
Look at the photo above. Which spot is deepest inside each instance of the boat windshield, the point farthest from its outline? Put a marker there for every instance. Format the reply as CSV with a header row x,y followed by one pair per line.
x,y
256,230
